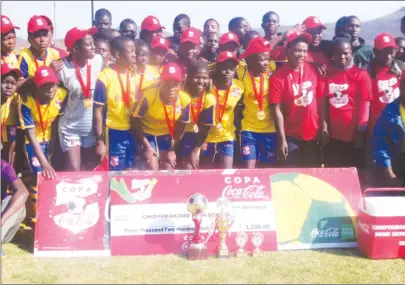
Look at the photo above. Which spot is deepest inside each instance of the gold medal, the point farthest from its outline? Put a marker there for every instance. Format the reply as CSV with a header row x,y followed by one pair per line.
x,y
219,127
195,128
87,103
261,115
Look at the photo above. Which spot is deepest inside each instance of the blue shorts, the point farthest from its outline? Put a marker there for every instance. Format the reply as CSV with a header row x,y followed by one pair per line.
x,y
226,148
259,146
121,150
187,144
32,158
159,143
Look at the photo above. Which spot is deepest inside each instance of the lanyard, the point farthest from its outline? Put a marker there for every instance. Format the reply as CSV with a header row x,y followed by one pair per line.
x,y
196,115
295,86
259,97
140,82
85,89
125,93
44,125
221,114
170,123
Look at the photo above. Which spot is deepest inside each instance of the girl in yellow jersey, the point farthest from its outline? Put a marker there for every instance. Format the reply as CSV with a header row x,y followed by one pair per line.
x,y
160,119
228,91
202,114
147,76
258,133
9,117
114,98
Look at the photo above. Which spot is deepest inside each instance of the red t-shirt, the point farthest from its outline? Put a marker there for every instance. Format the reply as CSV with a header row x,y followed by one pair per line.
x,y
347,89
299,105
385,90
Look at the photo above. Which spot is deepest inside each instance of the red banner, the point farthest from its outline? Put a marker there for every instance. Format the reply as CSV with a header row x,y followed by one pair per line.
x,y
71,215
149,213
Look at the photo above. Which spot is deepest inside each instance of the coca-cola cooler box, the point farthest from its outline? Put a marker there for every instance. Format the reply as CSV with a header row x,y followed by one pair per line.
x,y
381,223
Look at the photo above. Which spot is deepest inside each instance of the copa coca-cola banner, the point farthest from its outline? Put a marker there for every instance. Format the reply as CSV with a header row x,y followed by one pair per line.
x,y
71,215
149,213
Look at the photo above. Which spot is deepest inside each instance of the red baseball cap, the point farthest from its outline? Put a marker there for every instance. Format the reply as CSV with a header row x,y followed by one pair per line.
x,y
257,45
160,42
225,55
313,22
151,23
7,25
44,75
191,35
297,35
37,23
7,68
383,41
48,20
171,71
229,37
75,34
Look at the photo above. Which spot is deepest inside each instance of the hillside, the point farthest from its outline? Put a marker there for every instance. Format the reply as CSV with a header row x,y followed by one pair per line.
x,y
389,23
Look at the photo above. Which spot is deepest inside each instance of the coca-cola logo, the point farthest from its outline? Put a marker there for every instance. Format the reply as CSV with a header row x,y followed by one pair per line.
x,y
328,233
247,187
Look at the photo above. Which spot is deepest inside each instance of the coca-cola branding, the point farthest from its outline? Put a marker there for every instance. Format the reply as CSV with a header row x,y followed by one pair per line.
x,y
247,187
325,233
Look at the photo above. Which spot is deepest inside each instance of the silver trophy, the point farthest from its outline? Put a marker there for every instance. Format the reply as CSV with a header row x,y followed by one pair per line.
x,y
257,240
241,240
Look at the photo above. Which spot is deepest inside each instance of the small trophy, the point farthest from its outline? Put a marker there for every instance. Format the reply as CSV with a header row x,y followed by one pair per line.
x,y
197,204
257,240
241,240
224,222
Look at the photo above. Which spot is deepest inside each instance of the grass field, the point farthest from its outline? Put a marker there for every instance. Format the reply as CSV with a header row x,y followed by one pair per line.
x,y
321,266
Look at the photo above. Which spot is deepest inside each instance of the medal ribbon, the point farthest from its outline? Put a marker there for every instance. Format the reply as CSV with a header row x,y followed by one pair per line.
x,y
140,82
298,87
125,93
259,97
220,115
85,89
170,123
196,115
44,125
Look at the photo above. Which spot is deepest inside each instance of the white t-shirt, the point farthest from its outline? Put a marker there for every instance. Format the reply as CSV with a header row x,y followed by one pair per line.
x,y
77,119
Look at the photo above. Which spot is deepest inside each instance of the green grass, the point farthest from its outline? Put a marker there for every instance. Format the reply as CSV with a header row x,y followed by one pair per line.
x,y
321,266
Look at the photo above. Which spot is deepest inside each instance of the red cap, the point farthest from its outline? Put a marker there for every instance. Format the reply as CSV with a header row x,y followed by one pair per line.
x,y
48,20
257,45
44,75
229,37
151,23
313,22
297,35
6,25
7,68
225,55
37,23
160,42
191,35
76,34
384,40
171,71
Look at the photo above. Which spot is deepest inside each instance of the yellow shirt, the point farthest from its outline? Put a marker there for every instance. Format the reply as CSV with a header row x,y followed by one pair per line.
x,y
227,133
10,59
28,64
207,113
150,108
30,118
250,122
108,92
402,112
241,69
9,115
150,77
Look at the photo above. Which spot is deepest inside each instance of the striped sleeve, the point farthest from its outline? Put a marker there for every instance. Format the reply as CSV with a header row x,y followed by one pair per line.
x,y
26,121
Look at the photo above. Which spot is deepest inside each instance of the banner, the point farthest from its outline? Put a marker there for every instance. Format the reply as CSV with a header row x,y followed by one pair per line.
x,y
71,215
149,214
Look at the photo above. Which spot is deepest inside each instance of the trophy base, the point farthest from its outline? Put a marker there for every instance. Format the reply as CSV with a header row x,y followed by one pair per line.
x,y
223,253
257,253
197,251
241,254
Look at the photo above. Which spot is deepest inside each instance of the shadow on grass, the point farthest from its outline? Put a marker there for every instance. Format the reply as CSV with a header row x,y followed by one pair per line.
x,y
353,252
24,239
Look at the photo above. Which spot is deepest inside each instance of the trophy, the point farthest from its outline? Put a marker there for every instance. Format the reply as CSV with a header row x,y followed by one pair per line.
x,y
257,240
197,204
224,222
241,240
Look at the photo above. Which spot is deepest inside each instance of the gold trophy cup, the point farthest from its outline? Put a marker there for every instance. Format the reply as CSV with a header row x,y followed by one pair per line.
x,y
224,222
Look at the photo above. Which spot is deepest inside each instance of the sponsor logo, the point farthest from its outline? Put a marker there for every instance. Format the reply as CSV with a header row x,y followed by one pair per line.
x,y
243,188
114,161
35,162
328,233
388,90
246,150
141,189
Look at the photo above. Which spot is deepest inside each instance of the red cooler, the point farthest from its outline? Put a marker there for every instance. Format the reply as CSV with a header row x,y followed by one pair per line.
x,y
381,223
